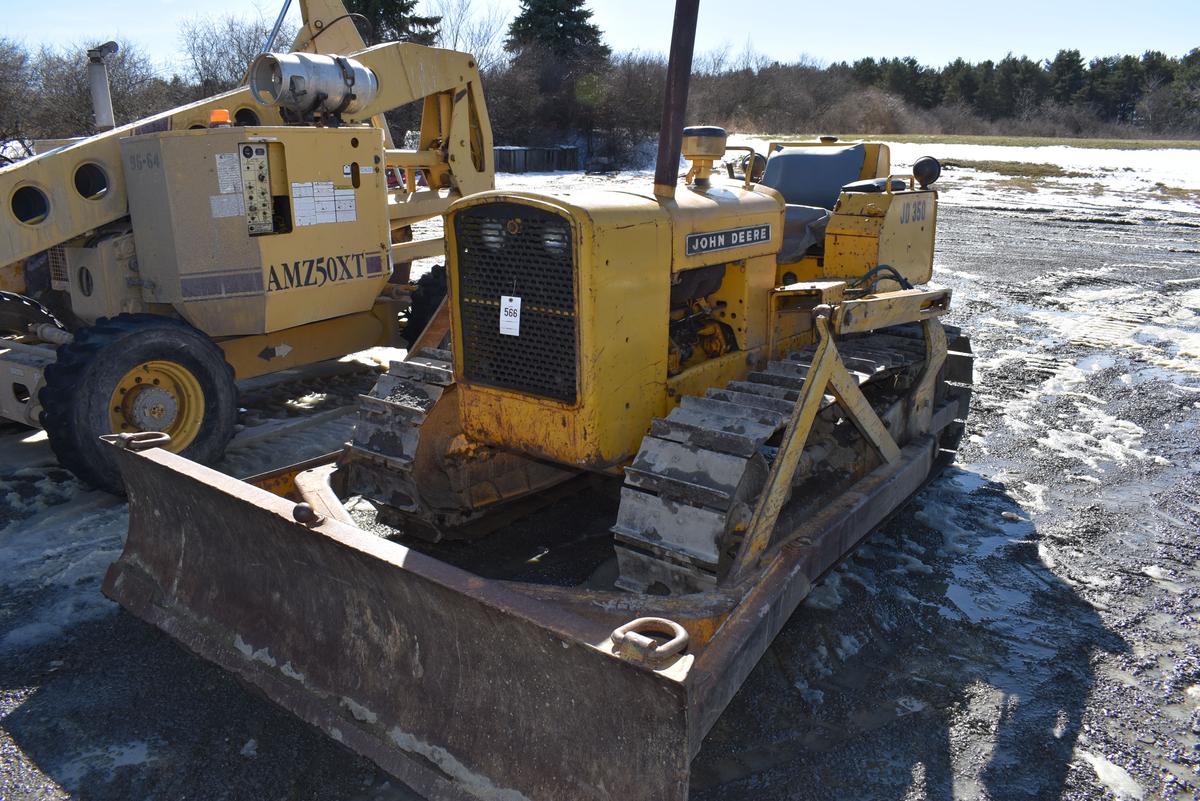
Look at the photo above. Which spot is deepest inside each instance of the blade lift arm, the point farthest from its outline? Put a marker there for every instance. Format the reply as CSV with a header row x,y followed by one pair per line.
x,y
828,374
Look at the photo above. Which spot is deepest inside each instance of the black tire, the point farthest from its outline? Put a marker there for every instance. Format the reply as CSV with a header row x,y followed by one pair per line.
x,y
18,312
81,382
401,270
426,297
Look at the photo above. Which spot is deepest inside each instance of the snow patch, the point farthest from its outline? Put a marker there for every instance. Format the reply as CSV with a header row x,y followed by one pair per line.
x,y
813,696
1099,438
106,760
1036,494
1115,778
291,672
848,645
61,553
1101,186
359,711
255,655
827,594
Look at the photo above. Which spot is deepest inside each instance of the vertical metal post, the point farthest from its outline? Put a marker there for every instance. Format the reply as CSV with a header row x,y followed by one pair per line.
x,y
679,71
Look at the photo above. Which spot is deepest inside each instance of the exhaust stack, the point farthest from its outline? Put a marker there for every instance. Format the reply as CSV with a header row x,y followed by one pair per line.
x,y
102,107
679,71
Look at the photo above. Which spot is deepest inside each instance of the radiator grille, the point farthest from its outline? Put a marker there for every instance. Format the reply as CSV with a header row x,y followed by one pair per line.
x,y
59,278
512,249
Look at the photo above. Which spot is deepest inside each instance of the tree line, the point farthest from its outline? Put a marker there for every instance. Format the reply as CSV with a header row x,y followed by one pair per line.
x,y
1155,92
560,80
550,78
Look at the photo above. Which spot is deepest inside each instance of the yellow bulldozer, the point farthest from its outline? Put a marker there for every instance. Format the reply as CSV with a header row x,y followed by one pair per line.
x,y
150,267
558,544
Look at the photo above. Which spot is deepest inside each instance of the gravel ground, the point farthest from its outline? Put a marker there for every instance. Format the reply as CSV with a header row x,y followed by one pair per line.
x,y
1024,629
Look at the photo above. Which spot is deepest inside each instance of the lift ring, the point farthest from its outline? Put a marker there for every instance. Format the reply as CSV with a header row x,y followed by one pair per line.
x,y
631,642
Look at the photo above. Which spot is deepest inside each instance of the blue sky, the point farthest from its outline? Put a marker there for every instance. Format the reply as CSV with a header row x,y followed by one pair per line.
x,y
934,31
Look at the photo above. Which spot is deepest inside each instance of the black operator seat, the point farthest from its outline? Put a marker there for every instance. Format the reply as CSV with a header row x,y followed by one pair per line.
x,y
810,180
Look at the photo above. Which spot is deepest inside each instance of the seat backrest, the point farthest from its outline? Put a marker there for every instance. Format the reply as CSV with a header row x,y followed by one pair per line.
x,y
813,176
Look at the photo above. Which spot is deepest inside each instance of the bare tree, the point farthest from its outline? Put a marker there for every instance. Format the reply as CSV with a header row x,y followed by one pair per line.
x,y
219,50
58,79
1154,103
15,100
714,62
472,29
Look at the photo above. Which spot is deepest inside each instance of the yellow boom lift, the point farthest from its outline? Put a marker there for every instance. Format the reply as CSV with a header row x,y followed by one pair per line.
x,y
749,371
178,258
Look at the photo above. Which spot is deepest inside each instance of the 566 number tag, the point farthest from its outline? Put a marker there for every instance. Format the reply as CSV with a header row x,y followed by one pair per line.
x,y
510,316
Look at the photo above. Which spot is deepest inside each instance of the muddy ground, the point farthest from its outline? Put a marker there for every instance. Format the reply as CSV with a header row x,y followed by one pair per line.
x,y
1026,628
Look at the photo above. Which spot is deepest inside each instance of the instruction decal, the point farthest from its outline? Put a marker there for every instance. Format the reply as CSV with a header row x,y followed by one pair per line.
x,y
229,173
318,202
226,206
510,316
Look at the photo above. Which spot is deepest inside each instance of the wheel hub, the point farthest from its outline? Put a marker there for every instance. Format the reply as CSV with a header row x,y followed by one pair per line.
x,y
153,408
159,396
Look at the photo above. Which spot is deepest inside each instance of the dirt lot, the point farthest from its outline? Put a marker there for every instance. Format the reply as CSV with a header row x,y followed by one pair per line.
x,y
1025,629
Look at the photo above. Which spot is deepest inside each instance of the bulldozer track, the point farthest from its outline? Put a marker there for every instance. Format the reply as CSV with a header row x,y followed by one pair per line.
x,y
699,469
388,429
277,403
309,404
694,482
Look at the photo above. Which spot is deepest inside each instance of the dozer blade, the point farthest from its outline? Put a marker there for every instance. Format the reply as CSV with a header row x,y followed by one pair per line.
x,y
461,687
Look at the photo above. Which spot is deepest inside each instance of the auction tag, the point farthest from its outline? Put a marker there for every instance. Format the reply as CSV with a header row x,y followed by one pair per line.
x,y
510,316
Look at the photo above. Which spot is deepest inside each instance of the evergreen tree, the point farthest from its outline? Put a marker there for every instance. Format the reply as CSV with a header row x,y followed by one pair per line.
x,y
1020,86
866,71
987,98
1158,68
563,27
1128,83
1113,86
556,46
1066,75
392,20
1185,88
961,82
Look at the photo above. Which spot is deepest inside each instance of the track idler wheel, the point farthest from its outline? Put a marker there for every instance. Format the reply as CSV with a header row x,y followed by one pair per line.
x,y
137,372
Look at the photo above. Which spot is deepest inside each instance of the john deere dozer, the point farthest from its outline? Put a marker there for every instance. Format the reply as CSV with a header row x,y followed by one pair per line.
x,y
750,367
151,266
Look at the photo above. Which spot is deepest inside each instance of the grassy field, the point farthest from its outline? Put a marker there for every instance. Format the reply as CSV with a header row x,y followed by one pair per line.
x,y
1011,141
1018,169
1176,192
